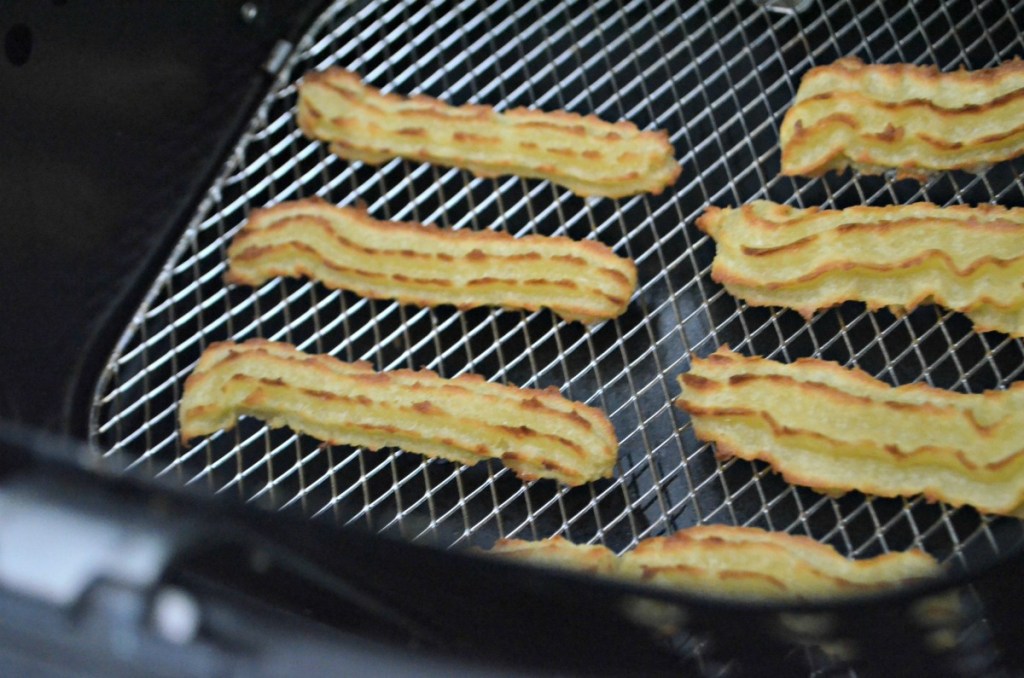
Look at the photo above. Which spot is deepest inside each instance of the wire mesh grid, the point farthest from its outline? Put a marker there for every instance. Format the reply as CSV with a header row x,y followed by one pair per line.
x,y
718,76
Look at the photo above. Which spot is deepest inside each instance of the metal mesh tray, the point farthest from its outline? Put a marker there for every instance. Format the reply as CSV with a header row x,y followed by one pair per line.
x,y
718,76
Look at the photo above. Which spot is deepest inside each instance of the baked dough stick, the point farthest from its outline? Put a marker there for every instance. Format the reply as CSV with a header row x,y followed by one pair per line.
x,y
970,259
913,119
558,552
735,562
583,153
746,562
834,429
538,434
345,248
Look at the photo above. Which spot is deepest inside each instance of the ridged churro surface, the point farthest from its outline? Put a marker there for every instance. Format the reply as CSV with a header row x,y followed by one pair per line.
x,y
835,429
914,119
587,155
733,562
345,248
744,562
536,433
969,259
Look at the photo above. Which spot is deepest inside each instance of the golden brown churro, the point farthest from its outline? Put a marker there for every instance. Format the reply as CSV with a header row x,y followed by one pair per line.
x,y
538,434
345,248
969,259
834,429
559,552
733,562
583,153
914,119
745,562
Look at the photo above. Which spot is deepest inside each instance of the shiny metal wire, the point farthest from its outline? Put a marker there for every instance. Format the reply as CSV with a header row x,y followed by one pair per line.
x,y
718,76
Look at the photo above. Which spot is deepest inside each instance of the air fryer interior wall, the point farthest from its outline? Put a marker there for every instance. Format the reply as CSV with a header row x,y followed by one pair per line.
x,y
115,119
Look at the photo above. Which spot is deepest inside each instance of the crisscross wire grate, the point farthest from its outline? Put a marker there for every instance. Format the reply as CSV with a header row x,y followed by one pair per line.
x,y
718,76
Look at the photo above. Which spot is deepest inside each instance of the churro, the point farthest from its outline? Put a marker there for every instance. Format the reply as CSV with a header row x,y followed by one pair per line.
x,y
536,433
969,259
587,155
837,429
345,248
560,553
732,562
913,119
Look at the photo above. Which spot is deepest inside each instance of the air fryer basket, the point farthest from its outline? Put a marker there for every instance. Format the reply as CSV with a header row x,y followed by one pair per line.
x,y
718,76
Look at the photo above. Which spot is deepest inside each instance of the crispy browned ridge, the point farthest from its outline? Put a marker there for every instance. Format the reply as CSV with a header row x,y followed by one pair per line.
x,y
914,119
587,155
345,248
733,562
969,259
536,433
834,429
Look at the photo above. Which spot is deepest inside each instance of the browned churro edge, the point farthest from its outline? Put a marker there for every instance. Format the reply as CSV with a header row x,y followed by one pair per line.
x,y
968,259
833,429
537,433
733,562
345,248
557,552
914,120
588,155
